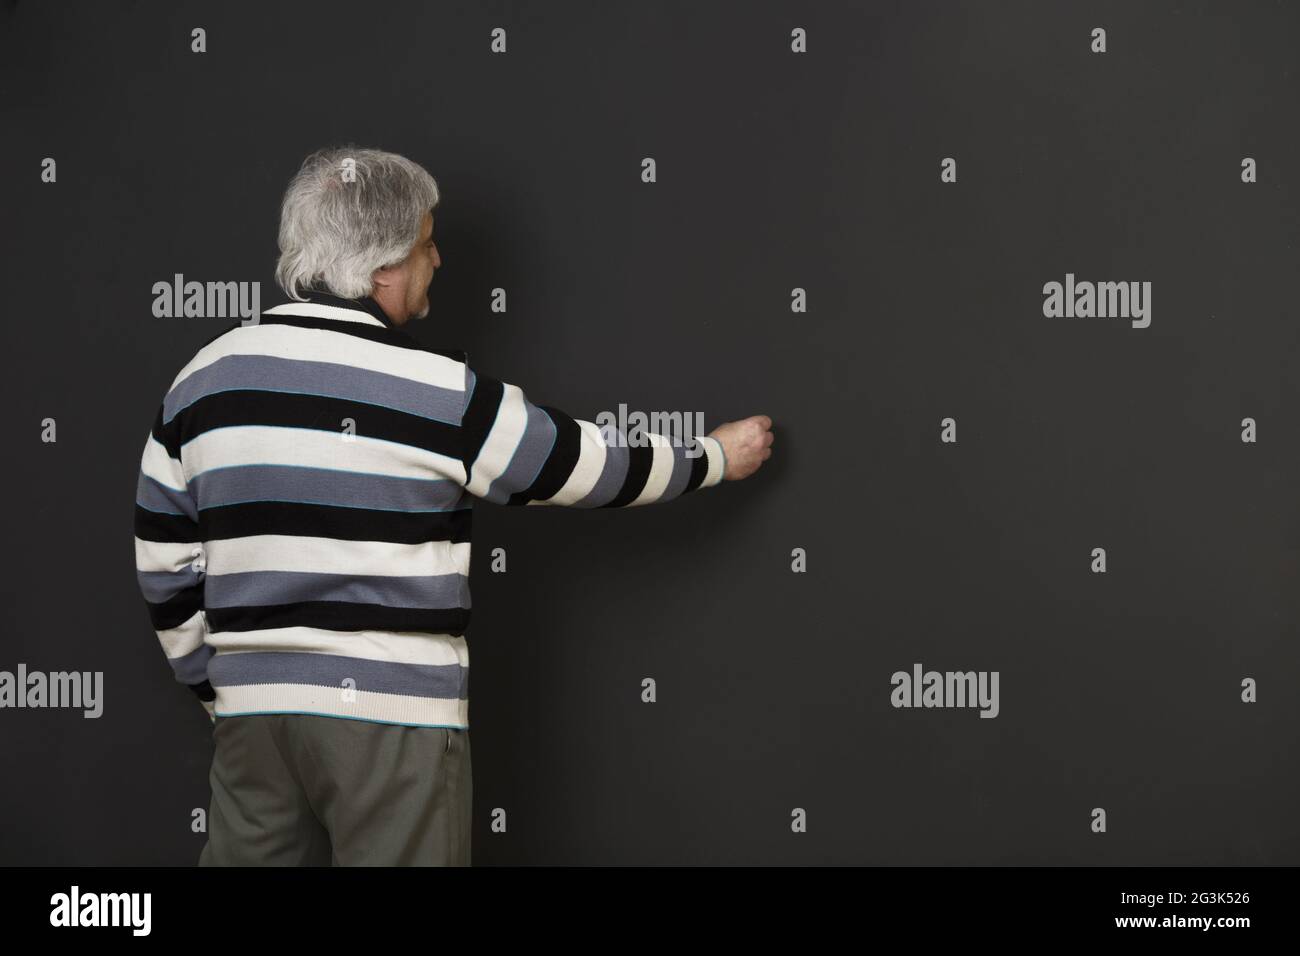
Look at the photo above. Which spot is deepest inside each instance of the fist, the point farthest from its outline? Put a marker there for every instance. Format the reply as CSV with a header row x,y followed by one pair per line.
x,y
747,444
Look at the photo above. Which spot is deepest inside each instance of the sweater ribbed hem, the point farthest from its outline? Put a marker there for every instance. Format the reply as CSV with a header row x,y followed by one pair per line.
x,y
245,699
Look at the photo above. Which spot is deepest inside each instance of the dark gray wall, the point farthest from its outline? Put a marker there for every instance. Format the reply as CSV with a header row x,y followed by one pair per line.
x,y
821,171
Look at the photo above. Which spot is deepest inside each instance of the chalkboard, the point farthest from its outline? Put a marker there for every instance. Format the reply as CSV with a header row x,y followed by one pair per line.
x,y
1014,281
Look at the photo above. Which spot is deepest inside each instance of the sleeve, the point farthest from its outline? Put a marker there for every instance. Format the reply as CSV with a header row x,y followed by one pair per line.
x,y
518,453
169,560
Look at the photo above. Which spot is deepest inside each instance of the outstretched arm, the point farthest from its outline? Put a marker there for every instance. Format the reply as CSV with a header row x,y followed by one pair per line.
x,y
519,453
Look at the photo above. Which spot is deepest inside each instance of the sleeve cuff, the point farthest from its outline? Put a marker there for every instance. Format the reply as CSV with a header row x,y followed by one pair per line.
x,y
717,461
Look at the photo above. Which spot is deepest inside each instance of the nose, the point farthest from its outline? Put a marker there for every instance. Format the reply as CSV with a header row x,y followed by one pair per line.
x,y
437,259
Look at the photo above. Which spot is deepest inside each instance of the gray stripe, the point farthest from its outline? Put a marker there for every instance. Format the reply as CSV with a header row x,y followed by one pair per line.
x,y
324,486
159,586
156,497
534,446
246,588
193,667
331,670
316,378
617,460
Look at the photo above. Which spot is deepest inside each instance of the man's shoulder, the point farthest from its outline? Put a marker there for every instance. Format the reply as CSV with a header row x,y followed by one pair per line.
x,y
410,341
374,333
384,334
242,340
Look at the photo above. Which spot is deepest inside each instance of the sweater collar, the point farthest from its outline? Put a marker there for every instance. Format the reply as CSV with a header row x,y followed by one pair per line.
x,y
325,305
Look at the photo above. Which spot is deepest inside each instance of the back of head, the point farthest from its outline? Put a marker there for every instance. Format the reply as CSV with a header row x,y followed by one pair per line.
x,y
347,212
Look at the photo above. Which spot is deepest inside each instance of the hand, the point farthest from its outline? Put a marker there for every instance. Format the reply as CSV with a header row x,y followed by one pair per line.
x,y
747,444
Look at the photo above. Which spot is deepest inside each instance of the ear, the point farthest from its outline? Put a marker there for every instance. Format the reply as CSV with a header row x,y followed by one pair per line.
x,y
383,276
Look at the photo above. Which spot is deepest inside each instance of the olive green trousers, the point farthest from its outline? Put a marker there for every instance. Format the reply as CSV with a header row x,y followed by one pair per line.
x,y
308,790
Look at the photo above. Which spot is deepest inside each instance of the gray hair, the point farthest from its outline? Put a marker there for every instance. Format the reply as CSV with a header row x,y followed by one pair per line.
x,y
347,212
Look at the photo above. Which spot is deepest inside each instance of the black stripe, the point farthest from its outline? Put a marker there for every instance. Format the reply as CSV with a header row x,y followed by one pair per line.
x,y
257,407
699,470
361,330
640,459
480,416
375,333
331,521
177,609
154,526
559,464
203,691
166,435
365,303
339,616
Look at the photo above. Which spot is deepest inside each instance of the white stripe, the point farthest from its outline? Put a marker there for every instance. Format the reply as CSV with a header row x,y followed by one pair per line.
x,y
290,552
360,704
661,470
327,345
716,461
398,647
316,311
170,556
155,463
592,453
185,639
501,442
276,445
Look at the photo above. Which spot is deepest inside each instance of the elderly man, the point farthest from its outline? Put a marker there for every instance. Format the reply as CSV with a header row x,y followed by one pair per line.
x,y
302,530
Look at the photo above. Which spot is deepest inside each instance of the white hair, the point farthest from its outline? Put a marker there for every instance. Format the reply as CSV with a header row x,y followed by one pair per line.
x,y
347,212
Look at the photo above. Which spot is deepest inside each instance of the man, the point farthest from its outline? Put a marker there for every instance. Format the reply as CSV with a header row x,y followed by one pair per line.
x,y
302,530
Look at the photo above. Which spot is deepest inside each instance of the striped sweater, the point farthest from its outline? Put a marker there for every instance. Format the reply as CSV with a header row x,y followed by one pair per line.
x,y
302,516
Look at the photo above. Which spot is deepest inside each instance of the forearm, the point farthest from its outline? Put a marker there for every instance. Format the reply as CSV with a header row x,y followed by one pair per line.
x,y
520,453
